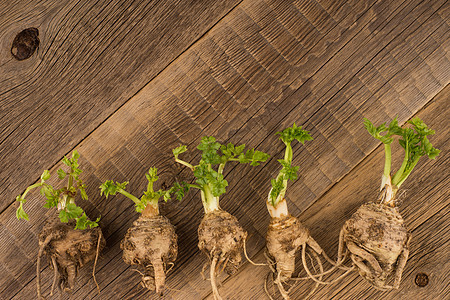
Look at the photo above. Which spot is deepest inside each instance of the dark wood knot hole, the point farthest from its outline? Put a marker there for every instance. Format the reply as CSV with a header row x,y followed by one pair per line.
x,y
421,279
25,43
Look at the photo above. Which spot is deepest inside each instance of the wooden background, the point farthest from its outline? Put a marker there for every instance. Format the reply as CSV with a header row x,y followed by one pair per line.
x,y
125,82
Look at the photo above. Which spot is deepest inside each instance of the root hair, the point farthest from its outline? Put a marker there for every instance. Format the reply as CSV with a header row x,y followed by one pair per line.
x,y
265,285
271,263
249,260
95,262
38,264
212,275
202,272
55,275
281,287
319,262
305,266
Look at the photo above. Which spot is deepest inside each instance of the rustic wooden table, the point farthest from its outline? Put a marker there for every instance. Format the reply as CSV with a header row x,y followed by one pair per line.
x,y
124,82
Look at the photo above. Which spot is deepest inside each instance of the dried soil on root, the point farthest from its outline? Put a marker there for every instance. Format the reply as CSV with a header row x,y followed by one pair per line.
x,y
67,250
378,230
152,244
284,238
222,239
220,235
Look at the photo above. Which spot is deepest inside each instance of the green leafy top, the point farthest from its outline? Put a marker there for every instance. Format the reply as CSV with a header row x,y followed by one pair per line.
x,y
413,140
376,132
210,180
62,198
294,133
149,197
288,172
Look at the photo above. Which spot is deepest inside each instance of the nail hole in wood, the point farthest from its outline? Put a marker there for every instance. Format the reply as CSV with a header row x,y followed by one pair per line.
x,y
25,43
421,279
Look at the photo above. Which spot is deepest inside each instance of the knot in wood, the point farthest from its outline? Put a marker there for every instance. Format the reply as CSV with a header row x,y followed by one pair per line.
x,y
421,279
25,43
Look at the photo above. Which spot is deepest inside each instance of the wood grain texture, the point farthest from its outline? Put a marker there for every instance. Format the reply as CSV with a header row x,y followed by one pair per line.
x,y
93,57
266,64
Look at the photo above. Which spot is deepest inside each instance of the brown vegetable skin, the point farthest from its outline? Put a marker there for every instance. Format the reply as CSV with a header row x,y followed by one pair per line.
x,y
69,249
151,243
378,242
284,238
220,236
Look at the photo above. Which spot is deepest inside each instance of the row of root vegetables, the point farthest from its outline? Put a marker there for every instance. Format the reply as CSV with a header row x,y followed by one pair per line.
x,y
374,240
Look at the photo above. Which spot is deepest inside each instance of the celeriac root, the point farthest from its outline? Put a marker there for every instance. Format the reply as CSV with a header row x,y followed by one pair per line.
x,y
38,264
55,275
279,284
67,250
222,239
378,243
151,243
248,258
285,236
212,276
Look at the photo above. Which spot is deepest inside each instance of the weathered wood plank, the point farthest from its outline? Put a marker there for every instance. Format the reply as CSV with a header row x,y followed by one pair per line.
x,y
93,57
255,72
425,219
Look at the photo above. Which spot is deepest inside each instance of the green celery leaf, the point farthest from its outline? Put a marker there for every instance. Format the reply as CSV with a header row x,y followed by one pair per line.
x,y
140,206
228,150
376,131
111,188
83,193
166,195
177,151
51,195
239,149
75,155
61,174
219,185
83,222
21,214
246,157
152,175
209,147
180,190
252,156
277,187
294,133
289,172
433,153
258,157
201,172
66,161
45,176
71,211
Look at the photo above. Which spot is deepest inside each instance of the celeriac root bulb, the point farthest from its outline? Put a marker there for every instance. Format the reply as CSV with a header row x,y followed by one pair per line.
x,y
285,234
378,242
221,236
284,238
375,235
151,243
68,249
67,242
